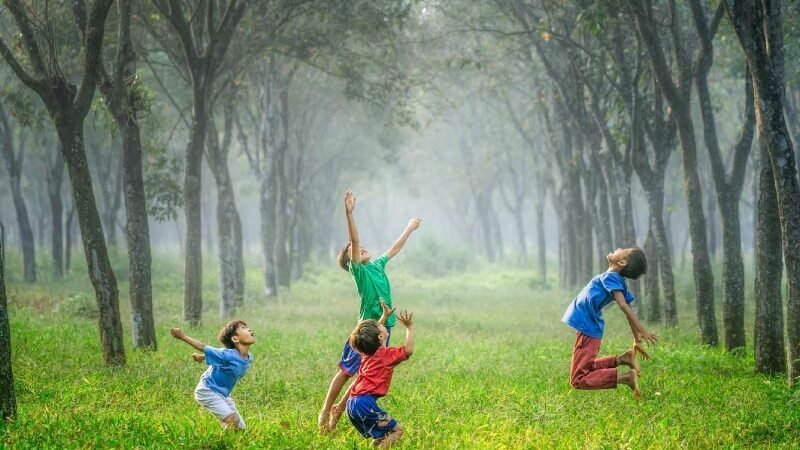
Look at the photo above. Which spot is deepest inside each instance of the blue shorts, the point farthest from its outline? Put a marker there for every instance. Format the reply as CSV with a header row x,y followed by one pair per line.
x,y
351,359
368,418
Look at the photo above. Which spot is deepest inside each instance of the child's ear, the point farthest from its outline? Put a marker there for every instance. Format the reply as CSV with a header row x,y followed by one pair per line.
x,y
235,339
623,262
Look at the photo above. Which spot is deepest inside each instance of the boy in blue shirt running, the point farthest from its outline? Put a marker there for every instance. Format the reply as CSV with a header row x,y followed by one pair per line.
x,y
585,315
225,367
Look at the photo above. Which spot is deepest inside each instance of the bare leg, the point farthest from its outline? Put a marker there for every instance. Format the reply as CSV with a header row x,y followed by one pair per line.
x,y
389,438
337,411
629,359
630,379
334,389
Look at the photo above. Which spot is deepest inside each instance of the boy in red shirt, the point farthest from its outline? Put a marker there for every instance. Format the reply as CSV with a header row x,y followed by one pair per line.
x,y
374,376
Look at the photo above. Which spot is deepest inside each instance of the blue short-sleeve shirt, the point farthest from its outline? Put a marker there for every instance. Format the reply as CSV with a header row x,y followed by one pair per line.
x,y
585,312
226,367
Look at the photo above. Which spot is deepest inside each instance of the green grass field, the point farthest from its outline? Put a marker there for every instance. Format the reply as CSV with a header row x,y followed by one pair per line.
x,y
490,371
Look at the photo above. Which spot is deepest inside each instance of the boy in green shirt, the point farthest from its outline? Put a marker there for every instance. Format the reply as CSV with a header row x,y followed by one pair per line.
x,y
373,286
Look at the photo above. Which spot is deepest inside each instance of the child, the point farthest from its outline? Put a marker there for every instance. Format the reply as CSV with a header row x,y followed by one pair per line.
x,y
372,285
585,315
374,376
226,366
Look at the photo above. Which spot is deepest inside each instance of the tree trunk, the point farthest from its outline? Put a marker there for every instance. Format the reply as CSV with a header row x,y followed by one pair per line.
x,y
541,239
229,232
192,186
283,266
267,209
652,294
68,232
701,263
13,163
768,337
54,181
94,246
758,26
143,331
8,402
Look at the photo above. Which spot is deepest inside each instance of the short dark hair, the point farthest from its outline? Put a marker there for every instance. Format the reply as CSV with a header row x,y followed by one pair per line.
x,y
637,264
366,337
344,258
225,335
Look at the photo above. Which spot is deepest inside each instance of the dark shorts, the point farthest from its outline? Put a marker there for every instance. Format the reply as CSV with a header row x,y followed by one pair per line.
x,y
351,359
368,418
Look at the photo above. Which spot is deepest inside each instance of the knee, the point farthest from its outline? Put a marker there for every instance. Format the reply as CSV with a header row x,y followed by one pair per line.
x,y
398,430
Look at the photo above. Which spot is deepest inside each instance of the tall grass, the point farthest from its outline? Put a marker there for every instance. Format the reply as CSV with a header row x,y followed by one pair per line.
x,y
490,371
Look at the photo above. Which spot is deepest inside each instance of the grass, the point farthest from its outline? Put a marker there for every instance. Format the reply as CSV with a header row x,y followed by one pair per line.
x,y
490,371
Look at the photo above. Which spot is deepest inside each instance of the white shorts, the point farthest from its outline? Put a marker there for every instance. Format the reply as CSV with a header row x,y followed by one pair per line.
x,y
215,402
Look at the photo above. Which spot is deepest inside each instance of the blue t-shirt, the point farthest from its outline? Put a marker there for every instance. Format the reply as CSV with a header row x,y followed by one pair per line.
x,y
585,312
226,367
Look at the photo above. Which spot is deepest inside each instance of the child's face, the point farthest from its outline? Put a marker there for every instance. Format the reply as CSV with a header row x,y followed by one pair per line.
x,y
364,255
244,335
618,257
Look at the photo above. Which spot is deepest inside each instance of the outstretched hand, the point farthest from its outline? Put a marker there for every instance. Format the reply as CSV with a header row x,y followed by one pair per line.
x,y
405,318
349,201
177,333
637,348
413,224
386,310
198,357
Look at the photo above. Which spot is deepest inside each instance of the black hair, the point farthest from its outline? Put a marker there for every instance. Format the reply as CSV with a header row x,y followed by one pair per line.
x,y
366,337
225,335
344,258
637,264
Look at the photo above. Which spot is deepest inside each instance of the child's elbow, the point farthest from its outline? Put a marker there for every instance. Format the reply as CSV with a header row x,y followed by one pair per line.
x,y
409,351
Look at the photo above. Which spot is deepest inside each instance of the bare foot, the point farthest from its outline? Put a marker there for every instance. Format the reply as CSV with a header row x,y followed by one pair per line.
x,y
629,359
634,384
322,421
336,413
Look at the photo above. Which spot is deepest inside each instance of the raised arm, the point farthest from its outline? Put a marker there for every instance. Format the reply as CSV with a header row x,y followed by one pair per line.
x,y
349,206
405,318
386,312
413,224
637,329
177,333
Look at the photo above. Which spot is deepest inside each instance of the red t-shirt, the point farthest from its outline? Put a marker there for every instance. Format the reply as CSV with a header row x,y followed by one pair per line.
x,y
375,372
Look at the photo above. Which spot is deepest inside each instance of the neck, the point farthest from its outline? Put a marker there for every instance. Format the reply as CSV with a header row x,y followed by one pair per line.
x,y
243,350
615,268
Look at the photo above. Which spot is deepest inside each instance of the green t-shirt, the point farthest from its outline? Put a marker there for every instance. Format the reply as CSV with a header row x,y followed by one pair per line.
x,y
373,285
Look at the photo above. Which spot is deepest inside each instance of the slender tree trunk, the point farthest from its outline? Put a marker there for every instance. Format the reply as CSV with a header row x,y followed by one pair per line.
x,y
94,246
701,263
143,331
541,239
54,181
8,401
192,186
267,209
768,337
13,161
280,244
652,294
228,222
68,233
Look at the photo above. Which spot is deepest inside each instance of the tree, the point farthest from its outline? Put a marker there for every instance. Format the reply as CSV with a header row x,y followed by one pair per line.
x,y
204,40
8,402
67,106
727,185
678,97
13,156
125,100
758,26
